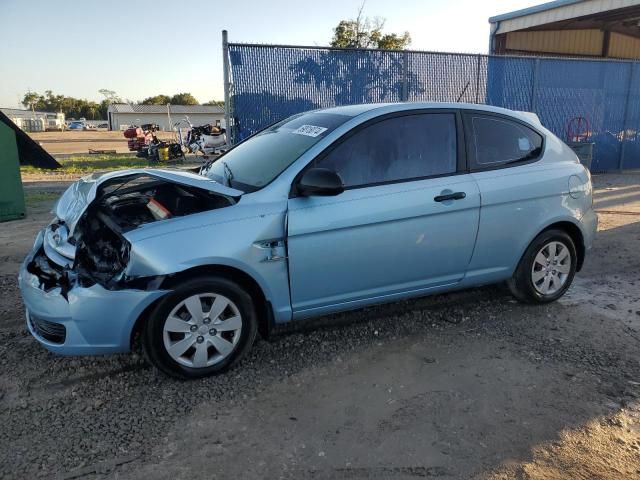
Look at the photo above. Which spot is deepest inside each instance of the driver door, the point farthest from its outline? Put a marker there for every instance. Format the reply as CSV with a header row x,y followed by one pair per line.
x,y
405,224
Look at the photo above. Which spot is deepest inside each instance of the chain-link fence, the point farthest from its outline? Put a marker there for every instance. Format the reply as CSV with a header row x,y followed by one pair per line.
x,y
270,82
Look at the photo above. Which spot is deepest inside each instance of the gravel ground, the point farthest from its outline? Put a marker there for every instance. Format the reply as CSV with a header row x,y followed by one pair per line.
x,y
464,385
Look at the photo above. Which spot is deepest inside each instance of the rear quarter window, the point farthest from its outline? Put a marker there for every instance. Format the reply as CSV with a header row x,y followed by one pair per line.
x,y
496,141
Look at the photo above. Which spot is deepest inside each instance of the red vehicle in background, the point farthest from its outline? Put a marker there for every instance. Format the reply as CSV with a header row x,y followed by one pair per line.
x,y
144,141
139,138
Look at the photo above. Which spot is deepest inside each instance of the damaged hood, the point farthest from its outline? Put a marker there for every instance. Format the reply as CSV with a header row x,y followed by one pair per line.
x,y
75,200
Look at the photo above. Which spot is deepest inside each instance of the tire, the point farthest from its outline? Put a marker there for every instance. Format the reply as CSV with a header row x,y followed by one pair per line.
x,y
183,342
537,278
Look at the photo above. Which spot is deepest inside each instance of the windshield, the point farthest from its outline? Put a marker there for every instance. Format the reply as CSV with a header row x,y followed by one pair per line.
x,y
255,162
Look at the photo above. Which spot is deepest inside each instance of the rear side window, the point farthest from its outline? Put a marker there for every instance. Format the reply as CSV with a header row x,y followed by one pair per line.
x,y
396,149
497,141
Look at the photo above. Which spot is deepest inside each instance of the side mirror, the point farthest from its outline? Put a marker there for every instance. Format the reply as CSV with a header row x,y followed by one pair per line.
x,y
321,182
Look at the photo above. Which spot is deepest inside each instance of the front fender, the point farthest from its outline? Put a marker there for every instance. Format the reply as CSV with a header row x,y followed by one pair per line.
x,y
227,240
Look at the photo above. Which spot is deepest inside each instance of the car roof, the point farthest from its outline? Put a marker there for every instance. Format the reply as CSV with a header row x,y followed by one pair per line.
x,y
354,110
382,108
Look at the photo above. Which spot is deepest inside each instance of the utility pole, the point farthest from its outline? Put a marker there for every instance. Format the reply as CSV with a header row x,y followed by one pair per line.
x,y
227,96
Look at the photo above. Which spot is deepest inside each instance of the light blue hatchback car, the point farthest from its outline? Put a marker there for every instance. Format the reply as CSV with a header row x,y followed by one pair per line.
x,y
326,211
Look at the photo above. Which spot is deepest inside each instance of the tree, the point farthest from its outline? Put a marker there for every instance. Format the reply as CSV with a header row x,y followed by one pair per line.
x,y
82,108
217,103
362,76
183,99
52,103
177,99
157,100
31,100
392,41
71,107
109,95
103,109
362,32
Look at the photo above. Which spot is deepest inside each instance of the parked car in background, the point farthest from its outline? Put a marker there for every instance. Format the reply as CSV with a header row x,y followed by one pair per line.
x,y
76,125
323,212
81,125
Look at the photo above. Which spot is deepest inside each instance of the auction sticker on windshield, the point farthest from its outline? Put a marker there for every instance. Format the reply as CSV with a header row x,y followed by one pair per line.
x,y
309,130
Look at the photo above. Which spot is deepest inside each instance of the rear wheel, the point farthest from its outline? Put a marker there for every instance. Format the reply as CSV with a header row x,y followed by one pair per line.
x,y
201,328
547,268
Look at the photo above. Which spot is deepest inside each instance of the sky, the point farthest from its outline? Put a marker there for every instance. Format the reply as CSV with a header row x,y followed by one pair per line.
x,y
140,49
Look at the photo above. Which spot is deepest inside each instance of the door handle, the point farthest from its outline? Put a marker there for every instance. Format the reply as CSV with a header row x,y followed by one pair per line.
x,y
450,196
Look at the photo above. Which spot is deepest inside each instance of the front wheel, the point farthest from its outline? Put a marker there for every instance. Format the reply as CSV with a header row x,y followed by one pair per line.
x,y
546,269
201,328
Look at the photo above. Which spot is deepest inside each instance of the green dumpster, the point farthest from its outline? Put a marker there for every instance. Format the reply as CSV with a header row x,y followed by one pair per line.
x,y
11,193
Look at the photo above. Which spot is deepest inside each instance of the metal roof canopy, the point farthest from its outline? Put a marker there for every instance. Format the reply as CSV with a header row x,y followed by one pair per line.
x,y
24,112
621,16
531,10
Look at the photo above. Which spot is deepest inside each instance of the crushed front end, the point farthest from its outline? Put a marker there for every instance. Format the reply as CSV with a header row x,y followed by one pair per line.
x,y
72,315
78,295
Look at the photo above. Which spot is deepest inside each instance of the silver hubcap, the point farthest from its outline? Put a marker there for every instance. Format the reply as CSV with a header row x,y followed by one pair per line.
x,y
551,268
202,330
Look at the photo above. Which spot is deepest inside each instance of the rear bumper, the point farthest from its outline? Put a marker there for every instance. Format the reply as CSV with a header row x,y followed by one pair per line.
x,y
95,320
589,226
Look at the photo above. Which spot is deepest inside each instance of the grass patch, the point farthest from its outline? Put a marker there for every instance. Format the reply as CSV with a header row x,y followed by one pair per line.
x,y
32,198
89,163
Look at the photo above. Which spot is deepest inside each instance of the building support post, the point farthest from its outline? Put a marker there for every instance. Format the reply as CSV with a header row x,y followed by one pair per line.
x,y
227,96
606,43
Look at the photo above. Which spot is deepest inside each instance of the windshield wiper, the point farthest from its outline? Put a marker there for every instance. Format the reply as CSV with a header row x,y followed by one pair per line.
x,y
529,156
205,168
228,174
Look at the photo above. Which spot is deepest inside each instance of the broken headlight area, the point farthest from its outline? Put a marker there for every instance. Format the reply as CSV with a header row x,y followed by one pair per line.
x,y
49,274
59,246
102,253
84,273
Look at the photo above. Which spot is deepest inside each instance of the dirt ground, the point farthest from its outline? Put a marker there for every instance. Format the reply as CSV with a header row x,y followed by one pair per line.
x,y
79,141
458,386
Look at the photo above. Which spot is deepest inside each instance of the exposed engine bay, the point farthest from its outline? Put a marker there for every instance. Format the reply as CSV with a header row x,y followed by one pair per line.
x,y
99,249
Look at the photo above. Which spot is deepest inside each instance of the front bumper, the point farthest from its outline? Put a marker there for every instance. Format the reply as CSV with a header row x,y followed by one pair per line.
x,y
95,320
